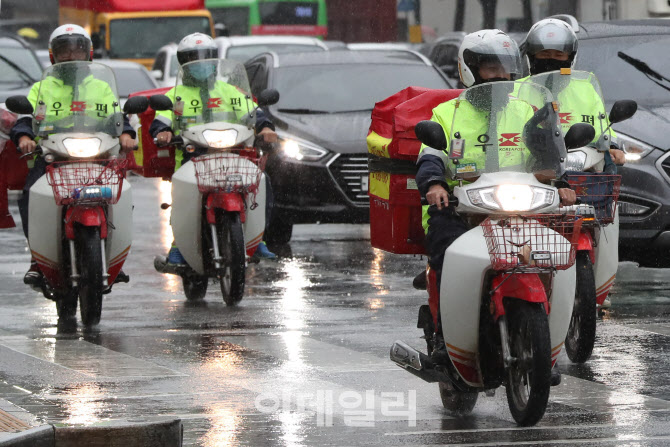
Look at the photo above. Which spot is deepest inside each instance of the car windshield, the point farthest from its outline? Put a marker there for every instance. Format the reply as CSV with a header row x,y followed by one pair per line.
x,y
131,80
320,87
243,52
152,32
618,78
27,62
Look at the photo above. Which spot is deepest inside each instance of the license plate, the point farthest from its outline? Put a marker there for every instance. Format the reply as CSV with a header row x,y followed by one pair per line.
x,y
364,183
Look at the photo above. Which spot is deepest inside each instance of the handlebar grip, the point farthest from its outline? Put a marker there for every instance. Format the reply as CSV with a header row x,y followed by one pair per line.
x,y
175,141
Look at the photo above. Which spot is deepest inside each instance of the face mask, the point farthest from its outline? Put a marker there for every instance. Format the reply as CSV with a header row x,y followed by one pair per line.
x,y
201,72
538,66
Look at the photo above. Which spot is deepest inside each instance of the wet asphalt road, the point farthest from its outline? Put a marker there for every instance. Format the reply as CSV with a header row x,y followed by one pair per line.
x,y
303,359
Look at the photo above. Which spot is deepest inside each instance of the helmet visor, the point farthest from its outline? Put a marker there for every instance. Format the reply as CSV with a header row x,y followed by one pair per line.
x,y
187,56
71,48
503,56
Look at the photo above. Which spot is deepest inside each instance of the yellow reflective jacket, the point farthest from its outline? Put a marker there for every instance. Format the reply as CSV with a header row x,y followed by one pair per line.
x,y
225,102
472,125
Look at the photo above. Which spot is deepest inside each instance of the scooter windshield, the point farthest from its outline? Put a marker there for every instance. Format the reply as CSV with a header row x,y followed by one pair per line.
x,y
212,90
579,100
77,97
505,126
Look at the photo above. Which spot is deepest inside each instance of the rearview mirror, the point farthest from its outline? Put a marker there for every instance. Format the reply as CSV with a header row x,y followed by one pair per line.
x,y
622,110
160,102
19,104
268,97
431,134
156,74
136,104
579,135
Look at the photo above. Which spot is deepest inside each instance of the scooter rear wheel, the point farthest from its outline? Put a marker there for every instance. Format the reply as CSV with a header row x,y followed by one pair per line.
x,y
195,287
89,256
458,403
66,305
582,331
231,247
529,377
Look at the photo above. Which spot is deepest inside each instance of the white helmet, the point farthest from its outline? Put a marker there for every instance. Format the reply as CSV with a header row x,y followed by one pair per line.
x,y
195,47
550,34
69,37
488,45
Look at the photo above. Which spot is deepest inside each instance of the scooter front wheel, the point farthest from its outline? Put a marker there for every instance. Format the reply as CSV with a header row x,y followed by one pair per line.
x,y
89,256
582,331
231,247
457,402
529,375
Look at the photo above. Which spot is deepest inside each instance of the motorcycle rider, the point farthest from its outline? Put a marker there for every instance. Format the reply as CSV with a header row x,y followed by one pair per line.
x,y
67,43
485,56
551,45
197,78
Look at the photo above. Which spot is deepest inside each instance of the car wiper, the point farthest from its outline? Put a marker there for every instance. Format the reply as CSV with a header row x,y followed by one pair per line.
x,y
353,111
643,67
302,111
26,77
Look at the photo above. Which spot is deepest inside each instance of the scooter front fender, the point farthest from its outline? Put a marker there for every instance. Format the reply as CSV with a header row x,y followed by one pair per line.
x,y
232,202
524,286
585,243
86,216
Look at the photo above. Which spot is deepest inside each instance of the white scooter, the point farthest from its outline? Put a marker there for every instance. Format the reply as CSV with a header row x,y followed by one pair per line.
x,y
598,191
218,199
507,285
80,226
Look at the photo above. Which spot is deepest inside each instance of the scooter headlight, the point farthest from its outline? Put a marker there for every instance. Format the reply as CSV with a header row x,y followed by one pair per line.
x,y
512,197
576,161
82,147
220,139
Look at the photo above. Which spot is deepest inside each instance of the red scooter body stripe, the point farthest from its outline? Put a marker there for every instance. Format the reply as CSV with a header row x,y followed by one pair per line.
x,y
585,243
86,216
525,286
225,201
49,269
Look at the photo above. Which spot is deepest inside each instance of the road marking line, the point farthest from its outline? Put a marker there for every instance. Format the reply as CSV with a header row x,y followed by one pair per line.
x,y
511,428
625,439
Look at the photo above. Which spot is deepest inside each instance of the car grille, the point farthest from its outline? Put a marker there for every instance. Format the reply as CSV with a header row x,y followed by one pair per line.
x,y
351,174
665,164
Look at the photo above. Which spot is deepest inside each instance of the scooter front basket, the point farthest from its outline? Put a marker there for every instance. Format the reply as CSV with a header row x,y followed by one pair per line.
x,y
231,171
598,195
90,181
540,242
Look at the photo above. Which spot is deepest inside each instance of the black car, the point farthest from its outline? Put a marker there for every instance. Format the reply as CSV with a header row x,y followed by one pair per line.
x,y
319,172
630,61
19,67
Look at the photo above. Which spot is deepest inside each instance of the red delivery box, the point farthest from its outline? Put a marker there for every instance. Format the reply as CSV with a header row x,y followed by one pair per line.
x,y
395,202
149,159
13,169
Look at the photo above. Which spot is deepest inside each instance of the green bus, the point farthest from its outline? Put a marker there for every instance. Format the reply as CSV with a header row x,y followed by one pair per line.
x,y
265,17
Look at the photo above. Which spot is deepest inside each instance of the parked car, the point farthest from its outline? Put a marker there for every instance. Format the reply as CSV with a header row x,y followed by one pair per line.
x,y
19,67
44,57
628,58
319,172
130,77
241,48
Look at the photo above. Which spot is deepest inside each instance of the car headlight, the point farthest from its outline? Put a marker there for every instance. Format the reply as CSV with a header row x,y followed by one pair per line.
x,y
220,139
576,161
82,147
634,149
302,150
512,197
